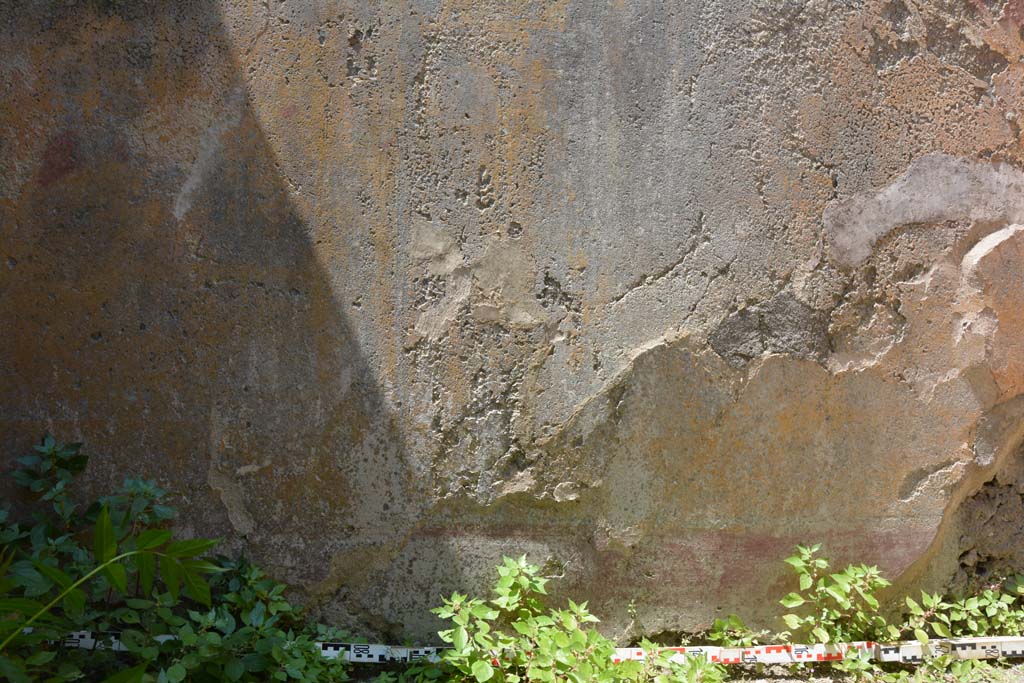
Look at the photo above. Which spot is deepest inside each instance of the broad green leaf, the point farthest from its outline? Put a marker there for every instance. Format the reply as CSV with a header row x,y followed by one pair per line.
x,y
805,581
176,673
915,608
459,638
104,543
118,576
163,512
187,635
53,574
484,612
190,547
792,621
146,562
820,634
74,601
524,628
482,671
940,629
234,669
152,538
24,574
257,615
13,671
795,561
921,636
170,572
24,606
197,587
133,675
792,600
41,657
842,579
837,596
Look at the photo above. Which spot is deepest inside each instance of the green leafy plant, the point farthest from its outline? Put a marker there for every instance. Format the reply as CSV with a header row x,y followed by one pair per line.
x,y
515,638
250,633
839,606
996,609
842,606
49,470
731,631
660,666
114,567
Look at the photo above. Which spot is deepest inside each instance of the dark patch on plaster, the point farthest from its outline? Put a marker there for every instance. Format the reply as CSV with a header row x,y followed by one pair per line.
x,y
948,43
783,324
59,159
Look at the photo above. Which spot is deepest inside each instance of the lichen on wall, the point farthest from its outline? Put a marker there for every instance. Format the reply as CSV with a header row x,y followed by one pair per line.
x,y
649,291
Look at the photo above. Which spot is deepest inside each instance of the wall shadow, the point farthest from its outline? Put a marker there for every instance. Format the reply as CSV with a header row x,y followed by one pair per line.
x,y
162,302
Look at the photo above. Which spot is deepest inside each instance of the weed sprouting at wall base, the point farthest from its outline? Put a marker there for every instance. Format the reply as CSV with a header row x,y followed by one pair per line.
x,y
514,637
179,614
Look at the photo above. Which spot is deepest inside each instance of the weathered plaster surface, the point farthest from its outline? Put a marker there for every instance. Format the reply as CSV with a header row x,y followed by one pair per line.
x,y
650,291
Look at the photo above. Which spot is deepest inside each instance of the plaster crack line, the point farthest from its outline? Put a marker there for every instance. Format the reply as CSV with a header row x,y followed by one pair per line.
x,y
661,274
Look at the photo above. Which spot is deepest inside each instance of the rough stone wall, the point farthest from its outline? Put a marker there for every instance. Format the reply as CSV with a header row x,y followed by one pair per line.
x,y
650,291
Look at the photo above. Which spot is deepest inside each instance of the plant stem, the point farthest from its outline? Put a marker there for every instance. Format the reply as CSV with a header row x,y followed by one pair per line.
x,y
68,590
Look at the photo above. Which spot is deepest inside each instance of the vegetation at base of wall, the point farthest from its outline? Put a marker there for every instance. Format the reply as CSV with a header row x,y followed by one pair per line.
x,y
842,606
514,637
114,567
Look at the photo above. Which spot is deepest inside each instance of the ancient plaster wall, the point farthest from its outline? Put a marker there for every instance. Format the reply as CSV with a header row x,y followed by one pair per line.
x,y
650,291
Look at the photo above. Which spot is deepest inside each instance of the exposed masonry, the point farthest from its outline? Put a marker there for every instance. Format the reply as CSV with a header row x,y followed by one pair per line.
x,y
991,528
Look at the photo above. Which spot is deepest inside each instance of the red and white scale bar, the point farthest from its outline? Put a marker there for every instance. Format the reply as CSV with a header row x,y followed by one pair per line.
x,y
907,652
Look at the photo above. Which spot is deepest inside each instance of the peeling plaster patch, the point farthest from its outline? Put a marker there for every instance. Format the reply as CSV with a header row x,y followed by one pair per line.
x,y
210,146
433,322
919,481
499,285
935,188
983,248
504,283
565,492
435,249
1000,432
233,497
231,493
991,275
